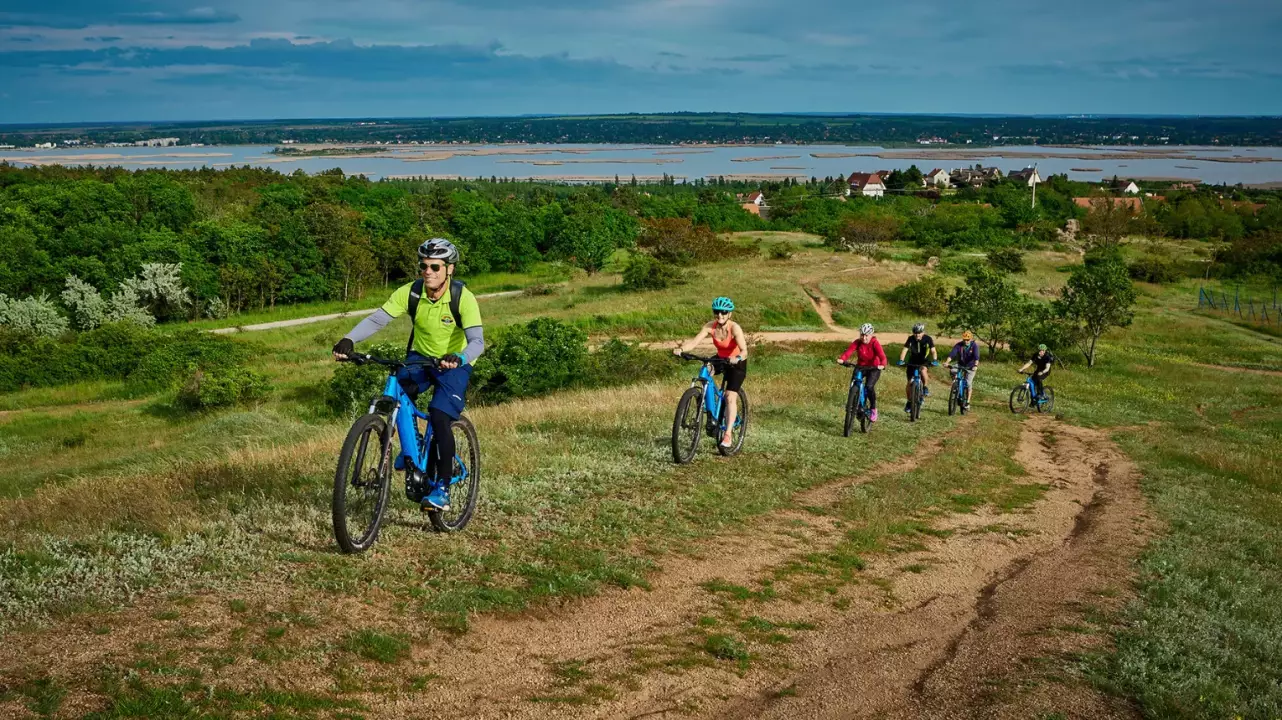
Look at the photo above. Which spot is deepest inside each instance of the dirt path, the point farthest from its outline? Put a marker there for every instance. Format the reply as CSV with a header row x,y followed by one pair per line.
x,y
332,316
959,636
1229,368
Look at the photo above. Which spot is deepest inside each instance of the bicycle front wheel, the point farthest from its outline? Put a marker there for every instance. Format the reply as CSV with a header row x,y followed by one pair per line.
x,y
465,482
852,408
686,426
361,484
953,401
739,430
914,410
1019,399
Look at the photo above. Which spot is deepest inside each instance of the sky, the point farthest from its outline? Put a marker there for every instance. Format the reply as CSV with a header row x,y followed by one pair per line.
x,y
123,60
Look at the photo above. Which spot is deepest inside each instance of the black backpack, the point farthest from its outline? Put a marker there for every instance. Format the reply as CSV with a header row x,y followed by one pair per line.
x,y
416,293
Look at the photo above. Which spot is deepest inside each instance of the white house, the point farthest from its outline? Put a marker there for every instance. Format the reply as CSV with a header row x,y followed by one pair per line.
x,y
1127,187
1028,176
866,184
756,198
937,177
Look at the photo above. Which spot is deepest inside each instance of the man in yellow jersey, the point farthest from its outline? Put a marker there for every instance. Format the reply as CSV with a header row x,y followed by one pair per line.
x,y
445,324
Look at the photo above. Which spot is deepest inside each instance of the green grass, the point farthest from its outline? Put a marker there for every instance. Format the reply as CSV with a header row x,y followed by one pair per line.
x,y
101,500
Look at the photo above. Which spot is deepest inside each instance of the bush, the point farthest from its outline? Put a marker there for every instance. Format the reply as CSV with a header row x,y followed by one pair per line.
x,y
1154,269
960,266
223,387
779,251
1008,260
173,355
857,230
644,272
37,316
1038,324
532,359
678,241
351,387
927,296
617,362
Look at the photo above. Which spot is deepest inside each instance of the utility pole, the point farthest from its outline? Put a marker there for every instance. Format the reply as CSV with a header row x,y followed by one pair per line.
x,y
1034,179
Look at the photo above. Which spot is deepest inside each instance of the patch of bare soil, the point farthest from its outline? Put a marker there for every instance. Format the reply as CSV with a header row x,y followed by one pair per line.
x,y
1229,368
972,623
977,629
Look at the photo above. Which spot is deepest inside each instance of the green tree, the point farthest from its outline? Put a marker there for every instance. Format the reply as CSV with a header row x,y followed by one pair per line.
x,y
988,305
1098,297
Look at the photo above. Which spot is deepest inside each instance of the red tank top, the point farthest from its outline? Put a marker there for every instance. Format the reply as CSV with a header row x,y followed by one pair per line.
x,y
728,347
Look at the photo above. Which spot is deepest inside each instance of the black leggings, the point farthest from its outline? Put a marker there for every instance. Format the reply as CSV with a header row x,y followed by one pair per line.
x,y
441,452
871,376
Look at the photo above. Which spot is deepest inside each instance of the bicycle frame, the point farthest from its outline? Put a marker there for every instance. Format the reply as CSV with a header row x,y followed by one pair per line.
x,y
713,396
1032,389
858,379
404,425
960,374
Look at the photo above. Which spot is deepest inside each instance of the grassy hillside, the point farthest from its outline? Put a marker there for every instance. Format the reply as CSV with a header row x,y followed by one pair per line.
x,y
192,555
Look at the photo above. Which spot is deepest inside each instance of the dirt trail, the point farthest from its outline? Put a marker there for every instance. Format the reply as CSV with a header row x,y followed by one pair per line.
x,y
958,638
1229,368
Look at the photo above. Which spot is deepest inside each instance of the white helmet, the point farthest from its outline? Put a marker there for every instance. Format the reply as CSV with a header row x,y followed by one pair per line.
x,y
438,249
866,329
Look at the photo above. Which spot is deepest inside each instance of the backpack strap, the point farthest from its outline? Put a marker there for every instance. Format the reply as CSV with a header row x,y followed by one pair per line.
x,y
456,297
416,294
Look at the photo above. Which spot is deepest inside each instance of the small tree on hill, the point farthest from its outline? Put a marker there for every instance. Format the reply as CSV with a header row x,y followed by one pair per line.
x,y
1097,297
989,305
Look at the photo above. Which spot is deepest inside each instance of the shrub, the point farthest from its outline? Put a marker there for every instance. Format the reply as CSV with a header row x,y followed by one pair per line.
x,y
926,296
352,386
223,387
34,315
617,362
1008,260
960,266
1038,324
864,230
779,251
678,241
647,273
1154,269
171,357
540,289
531,359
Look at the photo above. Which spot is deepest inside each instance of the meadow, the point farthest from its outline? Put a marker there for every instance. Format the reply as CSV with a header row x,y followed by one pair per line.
x,y
161,564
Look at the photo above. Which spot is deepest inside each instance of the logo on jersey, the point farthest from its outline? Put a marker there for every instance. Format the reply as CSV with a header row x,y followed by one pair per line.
x,y
447,320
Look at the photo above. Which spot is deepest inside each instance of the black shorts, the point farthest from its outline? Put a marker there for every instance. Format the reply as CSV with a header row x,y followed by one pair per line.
x,y
735,374
908,370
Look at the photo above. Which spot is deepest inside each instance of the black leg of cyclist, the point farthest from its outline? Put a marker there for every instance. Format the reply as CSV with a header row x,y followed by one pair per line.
x,y
870,387
441,453
1037,386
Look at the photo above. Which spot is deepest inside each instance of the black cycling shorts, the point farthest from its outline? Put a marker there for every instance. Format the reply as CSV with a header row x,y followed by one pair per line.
x,y
735,374
908,371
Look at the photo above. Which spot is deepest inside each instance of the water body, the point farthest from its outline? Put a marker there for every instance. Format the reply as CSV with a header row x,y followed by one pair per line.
x,y
595,163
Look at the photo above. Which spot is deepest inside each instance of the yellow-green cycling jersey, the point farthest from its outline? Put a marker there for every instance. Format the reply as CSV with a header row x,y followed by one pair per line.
x,y
435,332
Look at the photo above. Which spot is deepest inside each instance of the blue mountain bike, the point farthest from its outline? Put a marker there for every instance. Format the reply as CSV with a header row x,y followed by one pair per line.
x,y
857,403
916,391
700,411
958,392
366,464
1024,397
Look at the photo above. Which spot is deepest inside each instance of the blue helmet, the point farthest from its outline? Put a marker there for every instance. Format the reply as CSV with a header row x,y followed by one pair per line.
x,y
723,304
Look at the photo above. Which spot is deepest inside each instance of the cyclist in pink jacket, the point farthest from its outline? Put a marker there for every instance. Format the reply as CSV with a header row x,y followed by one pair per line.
x,y
868,355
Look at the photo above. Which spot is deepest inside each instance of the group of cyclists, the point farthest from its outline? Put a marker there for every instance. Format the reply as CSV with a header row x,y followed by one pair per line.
x,y
446,324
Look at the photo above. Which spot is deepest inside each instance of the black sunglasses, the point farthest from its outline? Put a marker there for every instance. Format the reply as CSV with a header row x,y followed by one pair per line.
x,y
720,313
435,267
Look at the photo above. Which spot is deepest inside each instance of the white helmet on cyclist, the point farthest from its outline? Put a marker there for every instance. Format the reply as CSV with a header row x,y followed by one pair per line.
x,y
866,329
919,328
438,249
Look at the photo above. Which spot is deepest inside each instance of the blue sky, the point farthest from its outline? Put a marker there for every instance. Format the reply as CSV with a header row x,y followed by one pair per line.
x,y
99,60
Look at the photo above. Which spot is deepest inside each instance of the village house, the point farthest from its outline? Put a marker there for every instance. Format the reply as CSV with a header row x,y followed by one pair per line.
x,y
753,202
866,184
936,177
1027,176
1127,187
976,176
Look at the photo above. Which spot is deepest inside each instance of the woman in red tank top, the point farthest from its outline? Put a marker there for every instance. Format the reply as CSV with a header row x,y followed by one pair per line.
x,y
731,345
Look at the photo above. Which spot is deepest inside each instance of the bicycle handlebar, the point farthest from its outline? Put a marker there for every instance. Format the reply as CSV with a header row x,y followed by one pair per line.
x,y
363,359
711,359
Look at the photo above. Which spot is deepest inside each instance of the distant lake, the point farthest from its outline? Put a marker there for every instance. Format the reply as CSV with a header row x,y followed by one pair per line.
x,y
597,163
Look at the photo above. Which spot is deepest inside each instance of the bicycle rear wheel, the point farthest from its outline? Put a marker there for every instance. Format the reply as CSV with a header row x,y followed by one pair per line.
x,y
465,482
1019,399
686,426
1049,405
740,431
361,484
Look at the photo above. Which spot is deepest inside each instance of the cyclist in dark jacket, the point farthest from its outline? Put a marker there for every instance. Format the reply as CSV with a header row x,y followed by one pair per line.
x,y
1042,361
966,355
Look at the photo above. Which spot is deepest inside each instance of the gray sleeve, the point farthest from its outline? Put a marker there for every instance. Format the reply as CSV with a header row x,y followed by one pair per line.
x,y
370,325
475,343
